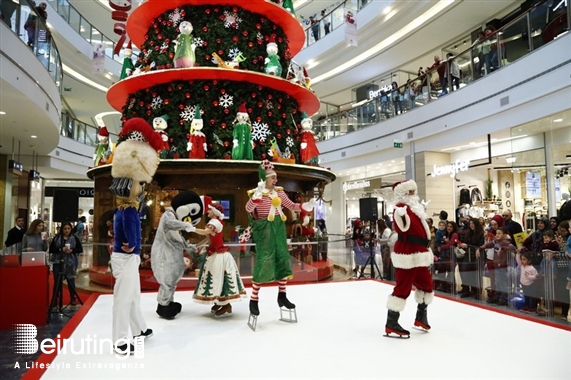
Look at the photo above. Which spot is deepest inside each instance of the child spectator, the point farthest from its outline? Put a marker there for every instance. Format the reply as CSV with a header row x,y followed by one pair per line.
x,y
365,247
528,275
502,247
440,234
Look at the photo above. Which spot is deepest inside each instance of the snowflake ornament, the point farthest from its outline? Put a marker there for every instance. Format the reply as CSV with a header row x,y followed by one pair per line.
x,y
269,104
289,141
164,47
231,20
131,103
259,36
157,103
188,113
260,131
176,17
217,139
198,42
234,53
226,100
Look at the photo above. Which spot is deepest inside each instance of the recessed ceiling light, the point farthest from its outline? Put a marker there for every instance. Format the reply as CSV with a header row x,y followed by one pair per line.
x,y
557,120
34,136
2,113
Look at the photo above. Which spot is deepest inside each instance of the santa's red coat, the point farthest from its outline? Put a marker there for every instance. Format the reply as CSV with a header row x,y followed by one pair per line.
x,y
409,255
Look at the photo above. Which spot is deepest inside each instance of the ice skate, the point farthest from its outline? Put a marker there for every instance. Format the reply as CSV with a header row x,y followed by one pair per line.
x,y
421,320
286,307
393,327
224,311
215,308
253,318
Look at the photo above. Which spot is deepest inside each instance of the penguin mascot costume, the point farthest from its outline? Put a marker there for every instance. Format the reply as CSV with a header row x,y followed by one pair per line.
x,y
167,258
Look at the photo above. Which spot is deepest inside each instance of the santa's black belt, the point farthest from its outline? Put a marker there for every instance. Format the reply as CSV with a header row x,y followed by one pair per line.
x,y
412,239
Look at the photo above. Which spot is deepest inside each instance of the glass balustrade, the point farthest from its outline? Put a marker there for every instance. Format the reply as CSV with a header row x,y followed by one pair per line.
x,y
516,39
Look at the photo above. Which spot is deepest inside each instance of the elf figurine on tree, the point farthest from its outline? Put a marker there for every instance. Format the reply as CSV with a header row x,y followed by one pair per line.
x,y
196,146
104,150
308,149
242,142
288,4
272,62
184,55
160,125
128,67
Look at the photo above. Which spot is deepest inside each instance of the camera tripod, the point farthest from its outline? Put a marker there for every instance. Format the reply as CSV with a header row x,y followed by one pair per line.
x,y
371,261
56,304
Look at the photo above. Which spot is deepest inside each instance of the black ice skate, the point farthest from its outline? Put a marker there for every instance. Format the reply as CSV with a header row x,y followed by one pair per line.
x,y
421,320
253,318
393,327
286,307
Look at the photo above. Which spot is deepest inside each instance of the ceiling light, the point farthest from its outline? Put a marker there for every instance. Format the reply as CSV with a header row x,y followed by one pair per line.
x,y
34,136
81,78
511,160
557,120
568,156
386,10
2,113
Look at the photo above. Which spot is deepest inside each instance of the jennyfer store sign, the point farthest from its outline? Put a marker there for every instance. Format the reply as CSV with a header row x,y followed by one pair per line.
x,y
452,169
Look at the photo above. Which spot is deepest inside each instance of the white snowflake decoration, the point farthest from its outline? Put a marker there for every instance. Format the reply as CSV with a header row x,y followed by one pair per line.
x,y
198,42
259,36
188,113
149,51
260,131
131,104
164,47
137,136
157,103
231,20
217,139
175,16
226,100
234,53
269,104
289,141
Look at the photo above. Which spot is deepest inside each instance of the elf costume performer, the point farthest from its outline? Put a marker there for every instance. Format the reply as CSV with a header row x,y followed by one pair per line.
x,y
242,142
160,126
136,161
103,154
411,258
308,152
272,62
184,54
219,281
167,252
268,230
196,146
128,67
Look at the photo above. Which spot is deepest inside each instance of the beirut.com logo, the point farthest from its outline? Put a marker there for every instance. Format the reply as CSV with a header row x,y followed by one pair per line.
x,y
25,342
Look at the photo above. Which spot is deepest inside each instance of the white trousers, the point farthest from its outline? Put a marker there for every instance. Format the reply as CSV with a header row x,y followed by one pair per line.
x,y
126,297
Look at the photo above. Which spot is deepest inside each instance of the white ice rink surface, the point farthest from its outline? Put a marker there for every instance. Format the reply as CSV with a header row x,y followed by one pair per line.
x,y
339,336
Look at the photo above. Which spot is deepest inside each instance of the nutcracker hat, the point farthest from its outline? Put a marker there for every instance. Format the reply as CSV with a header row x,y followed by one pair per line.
x,y
103,132
242,109
217,209
135,156
402,188
266,169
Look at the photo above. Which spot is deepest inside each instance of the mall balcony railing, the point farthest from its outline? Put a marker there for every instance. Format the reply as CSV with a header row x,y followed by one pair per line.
x,y
80,131
23,20
85,29
511,42
331,20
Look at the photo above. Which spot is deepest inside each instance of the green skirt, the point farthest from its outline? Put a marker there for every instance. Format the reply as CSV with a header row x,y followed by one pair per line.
x,y
273,260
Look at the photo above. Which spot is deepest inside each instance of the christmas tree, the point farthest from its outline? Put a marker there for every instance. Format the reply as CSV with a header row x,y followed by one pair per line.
x,y
223,35
208,286
227,285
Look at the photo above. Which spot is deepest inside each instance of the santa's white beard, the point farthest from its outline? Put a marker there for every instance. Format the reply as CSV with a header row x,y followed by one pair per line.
x,y
413,201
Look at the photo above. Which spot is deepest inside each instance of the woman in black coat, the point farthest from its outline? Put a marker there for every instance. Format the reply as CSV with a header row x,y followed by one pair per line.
x,y
63,253
468,265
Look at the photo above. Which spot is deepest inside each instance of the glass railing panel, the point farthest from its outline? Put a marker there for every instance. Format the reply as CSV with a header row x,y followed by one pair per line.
x,y
26,26
62,7
337,17
74,19
85,29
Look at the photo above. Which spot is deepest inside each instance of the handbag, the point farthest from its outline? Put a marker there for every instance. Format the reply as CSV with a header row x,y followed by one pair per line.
x,y
459,252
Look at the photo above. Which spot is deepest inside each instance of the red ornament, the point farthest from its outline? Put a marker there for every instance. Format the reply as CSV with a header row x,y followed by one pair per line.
x,y
166,102
258,26
146,37
258,119
260,88
212,121
181,106
187,95
204,29
294,111
188,135
218,40
171,55
263,156
215,103
223,125
255,61
262,20
279,123
270,113
205,43
210,146
279,136
235,9
215,82
154,94
280,40
207,11
134,114
168,41
279,106
235,38
141,103
288,131
181,121
260,104
226,144
226,111
259,42
284,116
253,95
280,100
206,87
168,65
222,91
149,112
270,96
221,52
221,18
171,140
216,10
245,33
183,13
249,110
179,87
160,36
157,48
250,44
207,57
176,156
274,27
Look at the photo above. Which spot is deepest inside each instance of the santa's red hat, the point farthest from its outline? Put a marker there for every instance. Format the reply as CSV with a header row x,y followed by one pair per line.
x,y
272,39
403,187
103,132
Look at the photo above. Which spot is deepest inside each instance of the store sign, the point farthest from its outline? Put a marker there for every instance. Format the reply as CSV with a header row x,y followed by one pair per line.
x,y
15,166
355,185
377,93
452,169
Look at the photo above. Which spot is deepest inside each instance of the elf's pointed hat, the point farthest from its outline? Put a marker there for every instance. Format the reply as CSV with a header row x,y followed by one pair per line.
x,y
266,169
305,74
129,45
103,132
136,155
242,109
197,114
272,40
304,117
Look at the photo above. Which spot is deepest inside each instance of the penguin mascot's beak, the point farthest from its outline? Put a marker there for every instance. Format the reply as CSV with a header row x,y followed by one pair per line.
x,y
188,207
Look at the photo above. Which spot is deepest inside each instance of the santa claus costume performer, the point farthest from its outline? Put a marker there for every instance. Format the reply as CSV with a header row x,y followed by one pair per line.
x,y
219,281
411,258
136,161
268,229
